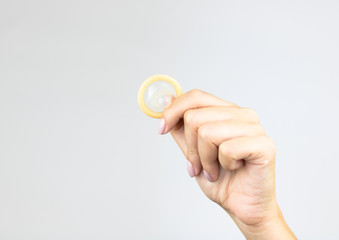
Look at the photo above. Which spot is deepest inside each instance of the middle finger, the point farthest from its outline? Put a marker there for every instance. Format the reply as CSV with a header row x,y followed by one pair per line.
x,y
193,119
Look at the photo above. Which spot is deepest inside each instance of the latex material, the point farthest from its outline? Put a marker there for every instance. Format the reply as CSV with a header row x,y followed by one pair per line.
x,y
155,94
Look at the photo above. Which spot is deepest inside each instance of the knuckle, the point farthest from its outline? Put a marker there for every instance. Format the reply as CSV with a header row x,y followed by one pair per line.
x,y
192,155
195,92
224,150
204,133
251,114
191,151
225,156
270,148
189,117
261,129
225,162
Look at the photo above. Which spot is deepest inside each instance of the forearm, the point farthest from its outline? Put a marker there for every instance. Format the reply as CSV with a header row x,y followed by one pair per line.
x,y
273,229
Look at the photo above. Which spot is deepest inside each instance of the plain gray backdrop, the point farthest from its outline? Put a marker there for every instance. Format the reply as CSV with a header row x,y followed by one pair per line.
x,y
79,159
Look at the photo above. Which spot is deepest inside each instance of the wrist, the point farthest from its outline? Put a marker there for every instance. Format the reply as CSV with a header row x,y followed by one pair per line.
x,y
273,227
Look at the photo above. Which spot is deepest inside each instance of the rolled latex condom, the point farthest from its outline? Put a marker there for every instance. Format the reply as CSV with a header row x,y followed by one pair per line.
x,y
156,93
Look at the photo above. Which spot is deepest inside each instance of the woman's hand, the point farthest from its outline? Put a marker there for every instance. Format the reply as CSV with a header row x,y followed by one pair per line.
x,y
232,159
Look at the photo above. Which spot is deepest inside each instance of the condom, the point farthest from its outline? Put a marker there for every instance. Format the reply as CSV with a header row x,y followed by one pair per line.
x,y
156,93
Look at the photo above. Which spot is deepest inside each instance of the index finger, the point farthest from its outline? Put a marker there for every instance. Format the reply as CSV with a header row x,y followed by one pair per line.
x,y
191,100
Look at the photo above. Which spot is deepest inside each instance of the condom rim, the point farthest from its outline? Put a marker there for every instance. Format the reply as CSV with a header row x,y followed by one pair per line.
x,y
146,83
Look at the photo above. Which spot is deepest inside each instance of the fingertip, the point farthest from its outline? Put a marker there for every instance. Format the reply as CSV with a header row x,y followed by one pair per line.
x,y
166,121
208,176
190,169
195,160
162,126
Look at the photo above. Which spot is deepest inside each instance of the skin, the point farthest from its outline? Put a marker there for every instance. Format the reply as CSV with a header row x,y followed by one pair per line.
x,y
231,158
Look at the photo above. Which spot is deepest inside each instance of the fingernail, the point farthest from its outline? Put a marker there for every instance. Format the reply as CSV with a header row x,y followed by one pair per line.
x,y
162,126
190,169
209,178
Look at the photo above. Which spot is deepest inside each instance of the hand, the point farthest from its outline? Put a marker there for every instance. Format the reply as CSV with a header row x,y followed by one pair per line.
x,y
231,157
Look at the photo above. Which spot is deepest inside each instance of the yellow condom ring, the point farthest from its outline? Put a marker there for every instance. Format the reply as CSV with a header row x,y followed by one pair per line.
x,y
143,88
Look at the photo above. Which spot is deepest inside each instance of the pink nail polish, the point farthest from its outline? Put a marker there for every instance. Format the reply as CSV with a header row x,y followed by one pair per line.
x,y
162,126
209,178
190,169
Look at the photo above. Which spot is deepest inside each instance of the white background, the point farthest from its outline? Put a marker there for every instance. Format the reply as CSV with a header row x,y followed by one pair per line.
x,y
78,158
